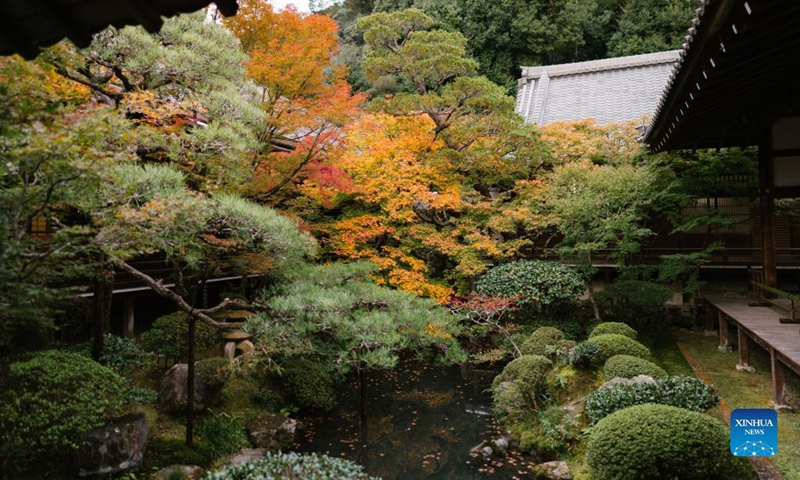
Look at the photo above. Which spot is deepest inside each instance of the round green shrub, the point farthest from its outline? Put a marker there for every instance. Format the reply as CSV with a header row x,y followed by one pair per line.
x,y
585,353
521,387
538,342
613,327
662,442
310,384
50,397
533,281
684,392
293,466
615,344
169,336
637,303
626,366
212,375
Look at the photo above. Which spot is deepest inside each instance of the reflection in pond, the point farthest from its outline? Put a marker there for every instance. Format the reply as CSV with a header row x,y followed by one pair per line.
x,y
422,422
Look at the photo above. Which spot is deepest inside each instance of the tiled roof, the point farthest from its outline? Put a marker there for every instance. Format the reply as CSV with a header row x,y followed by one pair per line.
x,y
28,25
610,90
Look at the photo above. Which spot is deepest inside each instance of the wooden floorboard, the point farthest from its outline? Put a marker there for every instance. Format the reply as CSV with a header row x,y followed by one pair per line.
x,y
764,323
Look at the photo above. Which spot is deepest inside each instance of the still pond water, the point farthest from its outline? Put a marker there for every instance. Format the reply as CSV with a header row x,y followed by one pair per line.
x,y
422,422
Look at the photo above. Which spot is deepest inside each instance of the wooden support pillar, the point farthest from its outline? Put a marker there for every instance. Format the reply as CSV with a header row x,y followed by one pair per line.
x,y
744,352
766,185
724,336
128,317
778,380
709,318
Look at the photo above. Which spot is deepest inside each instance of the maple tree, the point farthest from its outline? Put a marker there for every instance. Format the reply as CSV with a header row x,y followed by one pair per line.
x,y
305,100
426,164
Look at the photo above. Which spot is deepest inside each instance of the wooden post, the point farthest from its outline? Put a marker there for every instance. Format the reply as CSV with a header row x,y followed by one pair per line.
x,y
766,184
778,380
128,317
744,352
724,338
709,318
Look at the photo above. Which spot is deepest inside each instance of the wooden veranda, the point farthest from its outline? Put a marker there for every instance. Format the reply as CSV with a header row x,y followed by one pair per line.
x,y
762,324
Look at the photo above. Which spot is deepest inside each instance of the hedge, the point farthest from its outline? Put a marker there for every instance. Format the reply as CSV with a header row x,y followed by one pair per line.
x,y
627,366
615,344
613,327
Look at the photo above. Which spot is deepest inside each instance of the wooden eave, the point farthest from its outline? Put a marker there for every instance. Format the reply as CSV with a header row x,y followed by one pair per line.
x,y
29,25
738,72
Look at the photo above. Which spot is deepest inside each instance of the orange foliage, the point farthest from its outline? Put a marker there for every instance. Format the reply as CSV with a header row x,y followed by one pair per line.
x,y
586,140
305,99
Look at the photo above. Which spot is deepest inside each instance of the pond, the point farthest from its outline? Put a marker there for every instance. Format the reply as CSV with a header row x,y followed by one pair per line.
x,y
422,422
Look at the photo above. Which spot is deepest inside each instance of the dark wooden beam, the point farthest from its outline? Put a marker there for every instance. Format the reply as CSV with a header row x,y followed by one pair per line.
x,y
767,206
724,335
778,379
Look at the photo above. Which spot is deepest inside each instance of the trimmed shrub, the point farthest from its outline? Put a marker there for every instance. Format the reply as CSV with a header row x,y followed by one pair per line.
x,y
310,384
521,386
684,392
613,327
615,344
639,304
626,366
586,353
225,434
533,281
139,395
169,336
293,466
119,353
663,442
538,342
212,374
51,397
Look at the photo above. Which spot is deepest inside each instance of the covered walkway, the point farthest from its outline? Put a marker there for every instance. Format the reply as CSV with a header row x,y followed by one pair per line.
x,y
760,325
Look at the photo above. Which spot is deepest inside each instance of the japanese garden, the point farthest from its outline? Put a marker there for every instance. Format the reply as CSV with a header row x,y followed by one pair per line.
x,y
398,239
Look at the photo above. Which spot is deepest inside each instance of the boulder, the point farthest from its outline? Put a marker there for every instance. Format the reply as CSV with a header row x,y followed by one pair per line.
x,y
501,444
248,455
172,394
113,448
272,432
557,470
178,471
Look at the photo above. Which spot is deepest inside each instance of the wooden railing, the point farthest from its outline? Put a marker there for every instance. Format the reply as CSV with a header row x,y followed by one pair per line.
x,y
773,296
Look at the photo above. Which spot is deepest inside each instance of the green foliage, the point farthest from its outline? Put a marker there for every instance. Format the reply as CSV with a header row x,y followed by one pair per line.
x,y
538,342
225,434
586,353
213,373
637,303
49,398
338,314
169,336
292,466
613,327
119,353
682,391
533,281
549,433
614,344
139,395
163,451
626,366
663,442
521,387
647,26
310,384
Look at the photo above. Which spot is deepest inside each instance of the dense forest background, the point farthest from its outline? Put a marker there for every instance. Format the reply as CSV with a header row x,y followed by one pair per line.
x,y
504,35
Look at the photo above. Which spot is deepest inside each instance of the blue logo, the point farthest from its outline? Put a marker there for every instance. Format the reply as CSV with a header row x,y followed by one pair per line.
x,y
754,432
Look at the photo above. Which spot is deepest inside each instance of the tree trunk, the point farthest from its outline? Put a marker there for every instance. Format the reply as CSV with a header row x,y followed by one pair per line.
x,y
593,299
101,315
190,385
362,387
